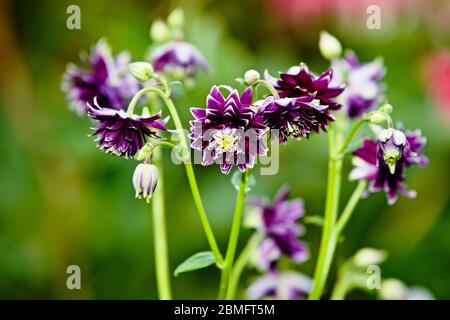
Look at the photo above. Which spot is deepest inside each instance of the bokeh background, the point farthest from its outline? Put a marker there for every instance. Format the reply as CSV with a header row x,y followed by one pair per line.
x,y
63,202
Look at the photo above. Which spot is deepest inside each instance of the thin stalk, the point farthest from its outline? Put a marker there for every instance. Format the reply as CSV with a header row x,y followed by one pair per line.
x,y
340,289
328,242
240,264
234,236
189,170
350,135
159,233
270,87
350,207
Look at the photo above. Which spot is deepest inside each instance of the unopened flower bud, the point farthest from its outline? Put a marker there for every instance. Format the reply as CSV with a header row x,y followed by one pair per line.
x,y
251,76
393,289
176,18
392,143
145,179
377,117
329,46
160,32
387,108
369,256
142,71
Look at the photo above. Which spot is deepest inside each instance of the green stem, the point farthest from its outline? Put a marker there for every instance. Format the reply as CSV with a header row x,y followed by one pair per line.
x,y
234,236
340,289
159,233
328,242
350,207
349,138
272,90
240,264
189,169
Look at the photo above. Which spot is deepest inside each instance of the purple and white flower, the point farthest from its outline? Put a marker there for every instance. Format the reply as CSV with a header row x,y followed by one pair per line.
x,y
363,87
178,57
383,162
145,180
228,131
106,78
121,133
278,222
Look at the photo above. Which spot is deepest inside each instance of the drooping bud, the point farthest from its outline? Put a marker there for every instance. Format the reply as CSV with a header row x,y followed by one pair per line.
x,y
176,18
145,179
329,46
391,144
160,32
251,76
142,71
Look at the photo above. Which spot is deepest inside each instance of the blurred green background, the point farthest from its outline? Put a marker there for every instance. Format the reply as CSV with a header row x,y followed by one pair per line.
x,y
63,202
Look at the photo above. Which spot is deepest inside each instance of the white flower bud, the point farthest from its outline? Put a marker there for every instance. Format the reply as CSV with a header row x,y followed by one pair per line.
x,y
142,71
329,46
387,108
393,289
251,76
145,179
160,32
176,18
377,117
369,256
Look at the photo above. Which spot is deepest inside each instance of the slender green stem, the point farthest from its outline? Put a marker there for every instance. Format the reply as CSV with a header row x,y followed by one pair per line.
x,y
240,264
350,135
189,170
340,288
350,207
159,233
329,237
272,90
234,236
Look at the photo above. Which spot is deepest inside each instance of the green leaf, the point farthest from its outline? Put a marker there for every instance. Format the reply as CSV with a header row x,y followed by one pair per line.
x,y
197,261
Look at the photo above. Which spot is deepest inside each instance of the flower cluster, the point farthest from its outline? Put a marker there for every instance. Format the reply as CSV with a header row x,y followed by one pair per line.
x,y
363,88
383,161
106,78
306,102
277,223
228,131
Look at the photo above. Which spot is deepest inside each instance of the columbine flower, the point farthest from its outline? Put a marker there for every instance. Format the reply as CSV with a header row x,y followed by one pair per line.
x,y
282,286
370,164
291,117
123,134
106,79
300,82
178,58
363,87
392,144
145,179
278,221
228,131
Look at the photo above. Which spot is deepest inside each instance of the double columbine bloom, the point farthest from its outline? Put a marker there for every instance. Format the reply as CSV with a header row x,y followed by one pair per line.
x,y
306,102
383,161
278,225
228,131
121,133
363,87
106,78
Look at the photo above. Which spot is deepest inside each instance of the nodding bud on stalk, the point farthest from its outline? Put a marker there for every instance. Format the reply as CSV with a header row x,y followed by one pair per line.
x,y
145,179
329,46
251,76
392,143
369,256
142,71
